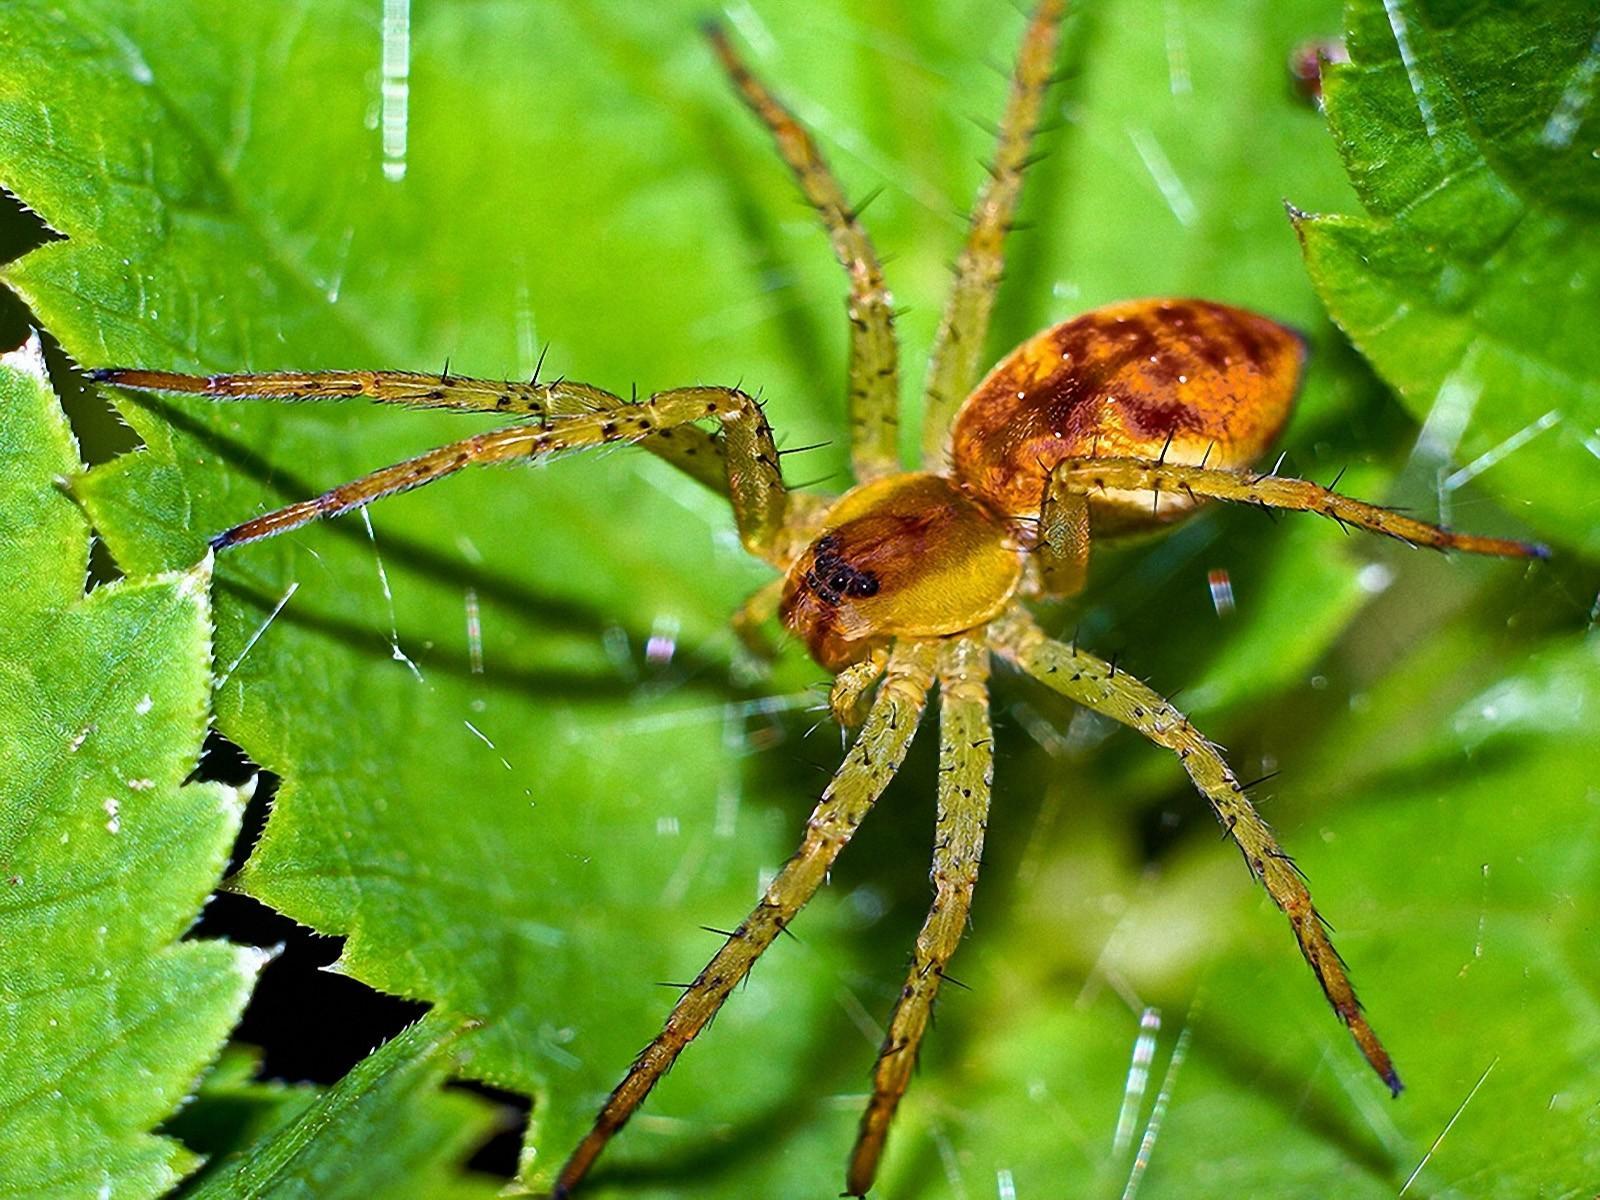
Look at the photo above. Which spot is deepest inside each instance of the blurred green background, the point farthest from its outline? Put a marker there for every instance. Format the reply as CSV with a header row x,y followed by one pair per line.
x,y
534,843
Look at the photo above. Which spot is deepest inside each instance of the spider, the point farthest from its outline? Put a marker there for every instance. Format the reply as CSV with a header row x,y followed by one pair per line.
x,y
1121,420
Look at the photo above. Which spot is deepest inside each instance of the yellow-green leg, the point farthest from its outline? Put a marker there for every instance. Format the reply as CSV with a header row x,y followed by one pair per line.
x,y
966,770
691,449
1096,684
847,698
1085,476
754,482
758,608
1062,550
874,382
865,772
958,346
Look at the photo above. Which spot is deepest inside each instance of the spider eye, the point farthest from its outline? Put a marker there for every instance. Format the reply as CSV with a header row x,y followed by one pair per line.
x,y
837,579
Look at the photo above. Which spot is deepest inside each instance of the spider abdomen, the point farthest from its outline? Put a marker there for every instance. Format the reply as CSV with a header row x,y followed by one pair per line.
x,y
1188,379
906,556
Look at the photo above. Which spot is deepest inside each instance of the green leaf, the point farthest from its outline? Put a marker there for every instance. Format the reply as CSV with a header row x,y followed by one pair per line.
x,y
105,1019
390,1100
232,1109
533,843
1469,132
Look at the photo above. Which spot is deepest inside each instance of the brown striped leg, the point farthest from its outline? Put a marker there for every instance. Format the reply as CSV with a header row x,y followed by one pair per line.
x,y
966,769
754,483
865,772
958,346
1085,476
1098,685
874,384
692,450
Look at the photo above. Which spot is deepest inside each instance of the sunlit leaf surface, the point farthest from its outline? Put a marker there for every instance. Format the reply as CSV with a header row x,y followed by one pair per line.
x,y
519,771
105,1022
1474,282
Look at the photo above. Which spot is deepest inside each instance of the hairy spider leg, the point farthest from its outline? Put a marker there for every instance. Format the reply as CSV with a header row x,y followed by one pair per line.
x,y
691,449
1098,685
847,698
754,482
861,778
758,608
966,770
1062,551
873,398
1082,476
958,346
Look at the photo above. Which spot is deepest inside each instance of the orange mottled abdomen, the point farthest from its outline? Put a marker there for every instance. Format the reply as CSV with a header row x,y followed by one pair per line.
x,y
1198,380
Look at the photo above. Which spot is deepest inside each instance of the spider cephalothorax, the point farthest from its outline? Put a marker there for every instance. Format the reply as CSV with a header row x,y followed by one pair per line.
x,y
1118,420
904,556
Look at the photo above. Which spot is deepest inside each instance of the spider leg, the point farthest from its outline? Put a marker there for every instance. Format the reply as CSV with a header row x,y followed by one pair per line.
x,y
759,607
874,387
847,698
966,769
692,450
1062,551
1097,685
414,389
1084,476
861,778
958,345
754,482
